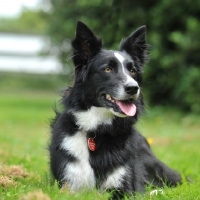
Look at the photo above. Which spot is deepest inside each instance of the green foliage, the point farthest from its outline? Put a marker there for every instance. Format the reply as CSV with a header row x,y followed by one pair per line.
x,y
173,71
29,22
171,77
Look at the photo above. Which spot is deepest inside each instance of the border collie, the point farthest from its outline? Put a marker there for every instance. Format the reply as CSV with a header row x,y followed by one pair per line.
x,y
94,143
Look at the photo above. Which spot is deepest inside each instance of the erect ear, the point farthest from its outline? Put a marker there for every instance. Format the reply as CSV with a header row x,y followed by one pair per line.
x,y
136,46
86,45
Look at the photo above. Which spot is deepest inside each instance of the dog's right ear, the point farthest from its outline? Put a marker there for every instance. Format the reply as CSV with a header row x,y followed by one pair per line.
x,y
136,46
85,45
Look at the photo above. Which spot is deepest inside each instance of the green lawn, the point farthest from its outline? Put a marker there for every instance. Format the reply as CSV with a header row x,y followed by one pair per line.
x,y
24,137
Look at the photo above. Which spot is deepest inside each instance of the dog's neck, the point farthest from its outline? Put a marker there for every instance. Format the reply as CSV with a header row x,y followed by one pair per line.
x,y
89,120
98,120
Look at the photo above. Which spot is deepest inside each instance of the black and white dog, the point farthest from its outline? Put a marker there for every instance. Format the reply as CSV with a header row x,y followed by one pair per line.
x,y
94,143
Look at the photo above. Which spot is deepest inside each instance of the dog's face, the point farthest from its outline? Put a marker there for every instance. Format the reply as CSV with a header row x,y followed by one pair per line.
x,y
114,77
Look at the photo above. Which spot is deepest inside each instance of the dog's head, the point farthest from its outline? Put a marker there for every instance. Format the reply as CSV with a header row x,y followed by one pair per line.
x,y
110,79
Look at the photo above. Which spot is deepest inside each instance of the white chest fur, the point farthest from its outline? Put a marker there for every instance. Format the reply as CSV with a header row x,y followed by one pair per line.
x,y
78,174
114,180
89,120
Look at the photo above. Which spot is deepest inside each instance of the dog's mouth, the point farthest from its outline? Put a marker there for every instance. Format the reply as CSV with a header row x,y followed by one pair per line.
x,y
125,106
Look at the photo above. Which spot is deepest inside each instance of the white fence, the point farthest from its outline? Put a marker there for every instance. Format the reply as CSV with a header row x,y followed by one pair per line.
x,y
22,53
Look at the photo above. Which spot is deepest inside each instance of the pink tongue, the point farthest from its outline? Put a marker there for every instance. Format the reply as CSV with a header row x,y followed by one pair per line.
x,y
128,108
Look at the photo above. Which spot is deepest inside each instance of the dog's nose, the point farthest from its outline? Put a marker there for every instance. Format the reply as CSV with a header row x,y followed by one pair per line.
x,y
131,89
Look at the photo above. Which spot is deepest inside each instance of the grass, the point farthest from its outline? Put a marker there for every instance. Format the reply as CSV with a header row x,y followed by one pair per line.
x,y
24,137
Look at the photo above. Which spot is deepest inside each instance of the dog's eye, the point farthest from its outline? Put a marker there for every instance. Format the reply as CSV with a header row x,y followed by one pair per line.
x,y
133,72
107,69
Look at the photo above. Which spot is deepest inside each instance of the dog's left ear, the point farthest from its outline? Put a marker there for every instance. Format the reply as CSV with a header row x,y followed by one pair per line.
x,y
86,45
136,46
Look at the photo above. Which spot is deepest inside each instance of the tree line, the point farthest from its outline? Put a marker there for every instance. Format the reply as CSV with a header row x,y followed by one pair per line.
x,y
173,75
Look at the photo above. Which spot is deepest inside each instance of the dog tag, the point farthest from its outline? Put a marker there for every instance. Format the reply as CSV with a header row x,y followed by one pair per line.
x,y
91,144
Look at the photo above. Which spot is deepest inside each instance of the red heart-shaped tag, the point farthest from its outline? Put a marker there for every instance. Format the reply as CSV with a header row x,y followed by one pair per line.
x,y
91,144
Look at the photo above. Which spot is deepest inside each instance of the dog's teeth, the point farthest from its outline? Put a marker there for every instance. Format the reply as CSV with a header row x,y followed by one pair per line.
x,y
108,97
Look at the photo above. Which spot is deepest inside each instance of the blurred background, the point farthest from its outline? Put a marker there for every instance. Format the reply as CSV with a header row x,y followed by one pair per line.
x,y
35,39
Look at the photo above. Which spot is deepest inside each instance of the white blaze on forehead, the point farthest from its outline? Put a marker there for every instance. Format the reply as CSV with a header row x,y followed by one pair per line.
x,y
128,77
119,57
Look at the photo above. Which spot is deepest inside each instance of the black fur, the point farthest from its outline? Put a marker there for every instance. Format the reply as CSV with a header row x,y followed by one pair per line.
x,y
118,144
